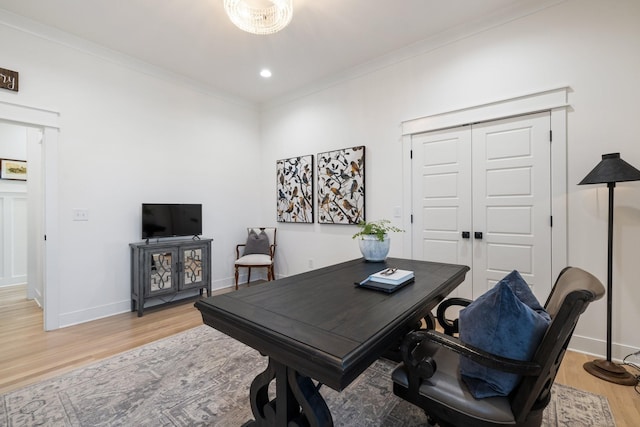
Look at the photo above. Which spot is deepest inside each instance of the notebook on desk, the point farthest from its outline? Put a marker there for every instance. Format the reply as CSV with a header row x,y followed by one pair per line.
x,y
384,287
391,276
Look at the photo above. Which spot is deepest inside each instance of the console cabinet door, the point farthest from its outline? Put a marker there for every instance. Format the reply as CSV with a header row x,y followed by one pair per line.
x,y
193,266
161,272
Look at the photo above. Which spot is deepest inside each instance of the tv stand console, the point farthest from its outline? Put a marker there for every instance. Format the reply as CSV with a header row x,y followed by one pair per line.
x,y
166,268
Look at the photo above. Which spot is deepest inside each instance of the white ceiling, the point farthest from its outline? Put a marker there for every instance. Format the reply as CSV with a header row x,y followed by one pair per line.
x,y
326,38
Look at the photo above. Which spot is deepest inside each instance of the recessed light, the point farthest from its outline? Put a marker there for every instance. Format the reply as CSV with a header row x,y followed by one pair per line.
x,y
265,73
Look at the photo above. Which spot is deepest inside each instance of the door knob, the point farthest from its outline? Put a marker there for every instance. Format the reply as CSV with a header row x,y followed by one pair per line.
x,y
477,234
466,234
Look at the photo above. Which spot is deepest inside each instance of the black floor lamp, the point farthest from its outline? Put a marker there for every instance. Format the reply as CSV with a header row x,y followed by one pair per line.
x,y
610,170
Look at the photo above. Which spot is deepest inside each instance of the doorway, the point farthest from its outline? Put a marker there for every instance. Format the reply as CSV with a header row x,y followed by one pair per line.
x,y
14,146
43,122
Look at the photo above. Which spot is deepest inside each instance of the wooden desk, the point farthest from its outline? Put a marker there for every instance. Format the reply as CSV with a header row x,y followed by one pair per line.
x,y
319,325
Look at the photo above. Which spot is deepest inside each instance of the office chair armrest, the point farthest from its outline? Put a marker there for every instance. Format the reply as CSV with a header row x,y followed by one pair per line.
x,y
417,358
450,327
418,346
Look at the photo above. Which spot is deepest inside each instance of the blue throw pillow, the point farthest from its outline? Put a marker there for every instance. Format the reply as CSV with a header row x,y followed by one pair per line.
x,y
507,321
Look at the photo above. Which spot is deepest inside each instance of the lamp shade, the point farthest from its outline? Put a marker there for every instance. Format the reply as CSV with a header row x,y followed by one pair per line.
x,y
611,169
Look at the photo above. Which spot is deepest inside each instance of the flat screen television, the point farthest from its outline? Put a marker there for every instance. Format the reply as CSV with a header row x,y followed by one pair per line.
x,y
171,220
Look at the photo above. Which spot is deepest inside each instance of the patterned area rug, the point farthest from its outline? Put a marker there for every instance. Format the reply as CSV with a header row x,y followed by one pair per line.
x,y
201,377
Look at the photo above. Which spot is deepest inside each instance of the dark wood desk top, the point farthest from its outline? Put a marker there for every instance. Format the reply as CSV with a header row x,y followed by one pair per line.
x,y
322,325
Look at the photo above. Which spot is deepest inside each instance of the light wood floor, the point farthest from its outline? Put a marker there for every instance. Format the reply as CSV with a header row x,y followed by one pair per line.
x,y
28,355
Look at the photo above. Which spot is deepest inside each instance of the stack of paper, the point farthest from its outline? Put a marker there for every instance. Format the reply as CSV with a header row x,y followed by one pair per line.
x,y
391,276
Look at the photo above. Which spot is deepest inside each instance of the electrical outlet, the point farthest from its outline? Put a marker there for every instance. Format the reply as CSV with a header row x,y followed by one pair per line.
x,y
81,215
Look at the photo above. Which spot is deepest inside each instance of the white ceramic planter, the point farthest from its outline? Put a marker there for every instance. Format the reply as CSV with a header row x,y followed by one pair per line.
x,y
373,249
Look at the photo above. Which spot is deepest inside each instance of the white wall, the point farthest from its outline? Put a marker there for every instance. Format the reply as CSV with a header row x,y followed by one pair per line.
x,y
128,135
589,45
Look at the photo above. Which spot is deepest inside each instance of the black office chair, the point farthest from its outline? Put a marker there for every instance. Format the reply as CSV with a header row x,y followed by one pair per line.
x,y
429,376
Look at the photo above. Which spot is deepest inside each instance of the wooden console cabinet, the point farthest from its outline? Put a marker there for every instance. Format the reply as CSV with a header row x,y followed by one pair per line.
x,y
166,268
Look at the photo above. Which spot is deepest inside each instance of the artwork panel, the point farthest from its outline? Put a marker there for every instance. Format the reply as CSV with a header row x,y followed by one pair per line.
x,y
341,186
294,188
13,169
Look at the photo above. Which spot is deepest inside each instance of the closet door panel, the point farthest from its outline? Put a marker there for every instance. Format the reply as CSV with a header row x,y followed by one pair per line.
x,y
442,198
512,204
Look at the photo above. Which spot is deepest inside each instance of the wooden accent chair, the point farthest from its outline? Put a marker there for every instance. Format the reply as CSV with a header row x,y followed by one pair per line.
x,y
257,252
429,376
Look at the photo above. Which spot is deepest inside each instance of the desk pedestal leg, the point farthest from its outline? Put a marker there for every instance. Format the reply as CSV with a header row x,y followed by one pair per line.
x,y
297,402
315,411
263,410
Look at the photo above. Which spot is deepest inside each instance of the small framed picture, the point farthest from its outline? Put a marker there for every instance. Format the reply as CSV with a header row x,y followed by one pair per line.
x,y
13,169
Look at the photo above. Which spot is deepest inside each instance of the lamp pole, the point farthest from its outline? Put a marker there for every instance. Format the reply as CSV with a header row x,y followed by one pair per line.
x,y
611,186
610,170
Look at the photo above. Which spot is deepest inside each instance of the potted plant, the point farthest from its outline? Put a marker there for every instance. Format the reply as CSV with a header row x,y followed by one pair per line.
x,y
373,239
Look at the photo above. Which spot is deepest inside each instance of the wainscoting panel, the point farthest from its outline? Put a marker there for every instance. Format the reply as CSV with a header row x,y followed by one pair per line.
x,y
13,238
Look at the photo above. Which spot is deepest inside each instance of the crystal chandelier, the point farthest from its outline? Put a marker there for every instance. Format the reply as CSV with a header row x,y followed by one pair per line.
x,y
259,20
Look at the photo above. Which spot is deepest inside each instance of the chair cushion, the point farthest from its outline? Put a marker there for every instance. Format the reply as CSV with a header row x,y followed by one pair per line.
x,y
257,243
506,321
446,389
254,260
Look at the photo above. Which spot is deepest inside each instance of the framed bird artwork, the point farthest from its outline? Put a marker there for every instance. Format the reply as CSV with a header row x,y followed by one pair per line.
x,y
341,186
295,189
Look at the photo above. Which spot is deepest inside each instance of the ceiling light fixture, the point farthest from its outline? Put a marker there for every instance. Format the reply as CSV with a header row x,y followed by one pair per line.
x,y
270,18
265,73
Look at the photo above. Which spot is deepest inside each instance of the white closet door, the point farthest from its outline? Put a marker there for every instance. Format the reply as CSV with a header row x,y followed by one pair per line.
x,y
492,178
442,198
512,202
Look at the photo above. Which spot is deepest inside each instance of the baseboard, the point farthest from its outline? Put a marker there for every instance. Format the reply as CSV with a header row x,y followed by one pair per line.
x,y
242,277
99,312
598,348
38,297
93,313
242,280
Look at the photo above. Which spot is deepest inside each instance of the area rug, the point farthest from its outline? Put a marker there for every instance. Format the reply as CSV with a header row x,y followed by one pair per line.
x,y
201,377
